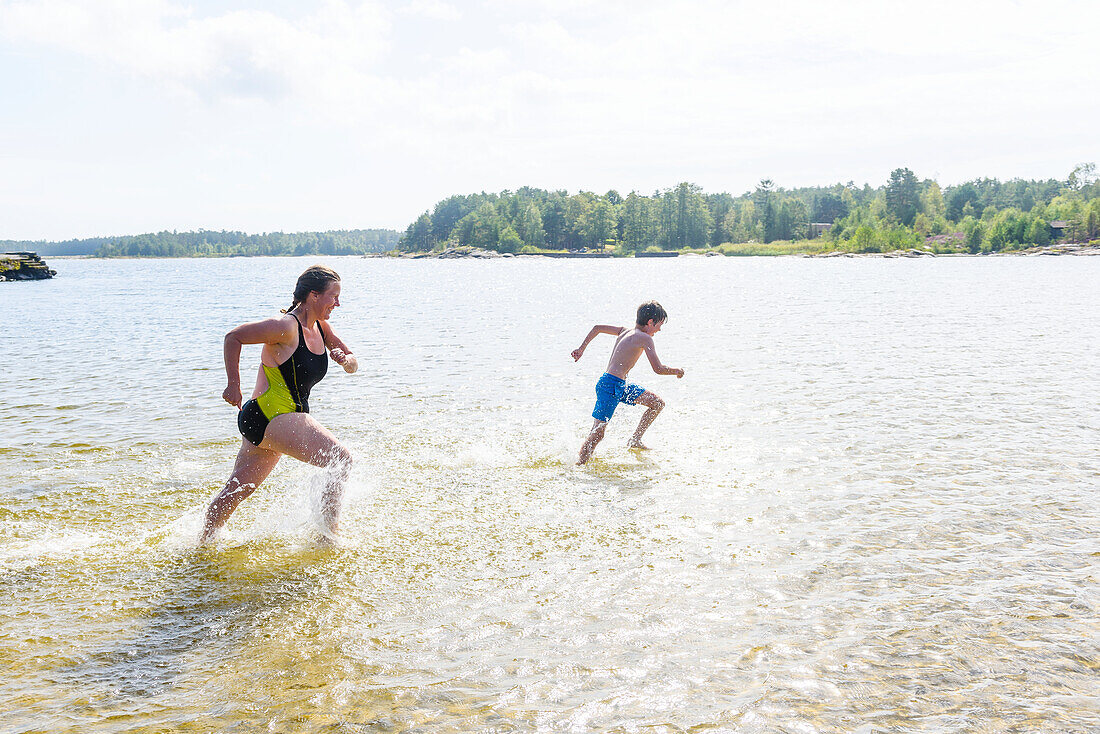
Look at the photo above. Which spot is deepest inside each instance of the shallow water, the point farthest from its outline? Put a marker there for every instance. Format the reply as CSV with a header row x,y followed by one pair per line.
x,y
870,505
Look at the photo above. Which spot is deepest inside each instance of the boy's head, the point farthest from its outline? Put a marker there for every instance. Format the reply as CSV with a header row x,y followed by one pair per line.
x,y
650,311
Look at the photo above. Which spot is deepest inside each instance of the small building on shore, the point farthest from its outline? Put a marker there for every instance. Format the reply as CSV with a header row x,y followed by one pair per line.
x,y
818,228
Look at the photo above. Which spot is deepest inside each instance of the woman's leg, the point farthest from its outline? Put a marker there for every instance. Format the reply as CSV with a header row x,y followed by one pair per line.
x,y
250,470
653,406
301,436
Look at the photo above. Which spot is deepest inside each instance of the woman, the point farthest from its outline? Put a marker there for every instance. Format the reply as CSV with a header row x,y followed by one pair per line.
x,y
276,420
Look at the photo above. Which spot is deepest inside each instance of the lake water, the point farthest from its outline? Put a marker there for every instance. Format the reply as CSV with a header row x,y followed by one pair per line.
x,y
870,506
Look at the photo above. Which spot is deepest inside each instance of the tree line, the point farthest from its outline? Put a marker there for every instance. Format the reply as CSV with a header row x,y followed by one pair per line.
x,y
981,215
208,243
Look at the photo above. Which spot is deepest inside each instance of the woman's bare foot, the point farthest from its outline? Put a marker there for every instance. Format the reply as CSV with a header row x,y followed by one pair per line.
x,y
634,444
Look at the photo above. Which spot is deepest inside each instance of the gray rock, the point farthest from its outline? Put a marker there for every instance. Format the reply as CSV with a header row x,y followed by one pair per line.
x,y
23,266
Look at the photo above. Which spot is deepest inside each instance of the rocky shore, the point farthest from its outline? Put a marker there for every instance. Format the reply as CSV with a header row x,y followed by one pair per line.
x,y
23,266
452,253
1092,248
895,253
476,253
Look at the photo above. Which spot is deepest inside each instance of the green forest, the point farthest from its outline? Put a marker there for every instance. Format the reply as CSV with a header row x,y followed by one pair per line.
x,y
207,243
983,215
905,212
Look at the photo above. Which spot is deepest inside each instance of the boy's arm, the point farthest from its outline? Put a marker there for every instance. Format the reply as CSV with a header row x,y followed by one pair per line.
x,y
597,329
655,361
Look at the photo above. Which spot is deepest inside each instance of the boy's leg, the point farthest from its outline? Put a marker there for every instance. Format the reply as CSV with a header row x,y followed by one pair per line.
x,y
653,405
594,438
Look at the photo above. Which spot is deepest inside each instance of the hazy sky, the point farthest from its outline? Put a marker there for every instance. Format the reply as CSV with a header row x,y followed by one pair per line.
x,y
128,116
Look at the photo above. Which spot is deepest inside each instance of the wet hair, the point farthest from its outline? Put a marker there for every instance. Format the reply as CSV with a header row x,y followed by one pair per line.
x,y
650,310
315,278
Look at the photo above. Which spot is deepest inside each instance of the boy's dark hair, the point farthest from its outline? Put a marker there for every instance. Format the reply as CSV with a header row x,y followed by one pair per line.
x,y
650,310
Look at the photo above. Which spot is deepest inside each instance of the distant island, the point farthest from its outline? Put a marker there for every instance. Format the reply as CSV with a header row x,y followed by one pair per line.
x,y
208,243
904,214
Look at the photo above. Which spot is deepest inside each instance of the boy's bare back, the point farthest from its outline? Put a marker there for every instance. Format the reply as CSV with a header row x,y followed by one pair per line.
x,y
629,346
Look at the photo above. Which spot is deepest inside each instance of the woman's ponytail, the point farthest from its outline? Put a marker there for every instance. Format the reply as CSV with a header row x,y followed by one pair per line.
x,y
315,278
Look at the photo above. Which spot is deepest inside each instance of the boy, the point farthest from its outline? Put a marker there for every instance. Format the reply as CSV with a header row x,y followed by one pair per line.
x,y
612,388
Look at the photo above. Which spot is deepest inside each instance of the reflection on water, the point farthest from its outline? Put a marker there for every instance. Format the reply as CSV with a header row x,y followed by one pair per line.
x,y
870,505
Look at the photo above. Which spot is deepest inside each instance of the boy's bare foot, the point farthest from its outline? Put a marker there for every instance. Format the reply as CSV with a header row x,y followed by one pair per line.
x,y
637,445
327,539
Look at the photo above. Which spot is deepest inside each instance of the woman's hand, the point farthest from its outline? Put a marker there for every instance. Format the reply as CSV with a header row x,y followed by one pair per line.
x,y
232,395
345,360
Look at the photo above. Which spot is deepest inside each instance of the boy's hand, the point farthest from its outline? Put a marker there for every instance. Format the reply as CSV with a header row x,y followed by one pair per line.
x,y
576,354
338,355
679,373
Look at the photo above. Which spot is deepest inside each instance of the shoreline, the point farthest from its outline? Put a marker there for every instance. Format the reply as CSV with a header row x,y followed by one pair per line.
x,y
474,253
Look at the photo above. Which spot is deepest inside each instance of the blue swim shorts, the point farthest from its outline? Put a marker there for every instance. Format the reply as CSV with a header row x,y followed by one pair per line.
x,y
610,391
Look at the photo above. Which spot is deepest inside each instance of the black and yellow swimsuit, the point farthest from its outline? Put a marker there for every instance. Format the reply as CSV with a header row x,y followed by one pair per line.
x,y
287,388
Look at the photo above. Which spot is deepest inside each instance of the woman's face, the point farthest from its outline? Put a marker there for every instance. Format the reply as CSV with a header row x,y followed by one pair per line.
x,y
327,300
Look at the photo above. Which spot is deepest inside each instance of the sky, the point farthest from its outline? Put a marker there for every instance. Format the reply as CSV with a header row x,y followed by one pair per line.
x,y
128,116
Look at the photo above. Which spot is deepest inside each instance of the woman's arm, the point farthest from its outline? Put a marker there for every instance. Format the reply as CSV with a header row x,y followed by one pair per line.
x,y
339,351
268,331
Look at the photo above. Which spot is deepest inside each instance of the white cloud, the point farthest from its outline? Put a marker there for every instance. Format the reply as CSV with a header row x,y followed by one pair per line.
x,y
563,93
541,62
235,54
431,9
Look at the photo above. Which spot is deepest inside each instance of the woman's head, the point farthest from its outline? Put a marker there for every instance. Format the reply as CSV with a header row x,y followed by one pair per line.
x,y
316,279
